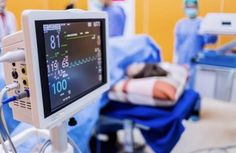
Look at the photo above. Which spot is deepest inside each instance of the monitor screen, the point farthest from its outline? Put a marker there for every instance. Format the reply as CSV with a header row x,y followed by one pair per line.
x,y
71,58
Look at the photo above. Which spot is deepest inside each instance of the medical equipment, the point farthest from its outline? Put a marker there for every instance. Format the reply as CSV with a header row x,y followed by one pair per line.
x,y
216,59
219,23
217,68
64,68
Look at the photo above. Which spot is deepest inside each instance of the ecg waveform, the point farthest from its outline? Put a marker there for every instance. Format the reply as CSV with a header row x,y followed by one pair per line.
x,y
83,61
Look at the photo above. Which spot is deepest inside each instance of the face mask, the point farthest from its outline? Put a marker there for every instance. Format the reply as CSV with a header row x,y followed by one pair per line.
x,y
191,12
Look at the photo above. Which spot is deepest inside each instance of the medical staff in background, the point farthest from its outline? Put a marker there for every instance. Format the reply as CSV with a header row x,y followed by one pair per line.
x,y
188,41
116,15
7,25
7,21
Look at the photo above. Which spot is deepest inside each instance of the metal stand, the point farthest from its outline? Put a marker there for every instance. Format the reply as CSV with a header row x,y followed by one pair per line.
x,y
129,139
58,136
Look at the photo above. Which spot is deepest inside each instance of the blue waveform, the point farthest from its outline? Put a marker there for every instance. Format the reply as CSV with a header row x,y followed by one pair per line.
x,y
83,61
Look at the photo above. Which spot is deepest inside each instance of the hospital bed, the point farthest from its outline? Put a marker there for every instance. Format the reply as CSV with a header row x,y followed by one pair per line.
x,y
161,126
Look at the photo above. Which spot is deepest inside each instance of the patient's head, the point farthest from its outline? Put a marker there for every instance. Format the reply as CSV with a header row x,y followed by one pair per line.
x,y
134,69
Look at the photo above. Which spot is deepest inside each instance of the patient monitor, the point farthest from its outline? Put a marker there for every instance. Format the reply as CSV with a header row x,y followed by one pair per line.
x,y
65,64
219,23
64,67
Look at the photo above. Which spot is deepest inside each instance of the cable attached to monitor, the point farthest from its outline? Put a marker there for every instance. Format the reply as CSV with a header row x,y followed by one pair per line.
x,y
5,131
7,89
21,95
3,122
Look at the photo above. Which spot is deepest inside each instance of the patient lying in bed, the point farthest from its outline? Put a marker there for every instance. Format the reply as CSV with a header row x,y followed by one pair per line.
x,y
151,84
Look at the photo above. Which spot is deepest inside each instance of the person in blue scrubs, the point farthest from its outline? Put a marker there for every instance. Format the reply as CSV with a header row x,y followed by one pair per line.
x,y
116,16
188,42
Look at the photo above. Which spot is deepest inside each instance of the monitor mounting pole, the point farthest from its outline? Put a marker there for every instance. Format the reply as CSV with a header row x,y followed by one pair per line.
x,y
59,140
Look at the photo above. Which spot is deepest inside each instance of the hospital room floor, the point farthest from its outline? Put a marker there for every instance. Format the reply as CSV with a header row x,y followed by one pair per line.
x,y
217,128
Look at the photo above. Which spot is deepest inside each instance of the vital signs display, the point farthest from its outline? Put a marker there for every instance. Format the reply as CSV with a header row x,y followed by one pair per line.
x,y
71,58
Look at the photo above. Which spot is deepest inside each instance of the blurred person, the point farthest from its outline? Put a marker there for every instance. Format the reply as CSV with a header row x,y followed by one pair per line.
x,y
7,25
116,15
7,21
188,42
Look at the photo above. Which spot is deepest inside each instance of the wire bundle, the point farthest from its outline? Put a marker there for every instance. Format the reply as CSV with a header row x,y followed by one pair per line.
x,y
4,131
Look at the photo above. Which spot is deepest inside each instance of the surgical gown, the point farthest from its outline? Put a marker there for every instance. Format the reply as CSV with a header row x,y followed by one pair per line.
x,y
188,42
117,18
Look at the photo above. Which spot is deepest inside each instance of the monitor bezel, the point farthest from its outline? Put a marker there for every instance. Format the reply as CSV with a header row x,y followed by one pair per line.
x,y
32,59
